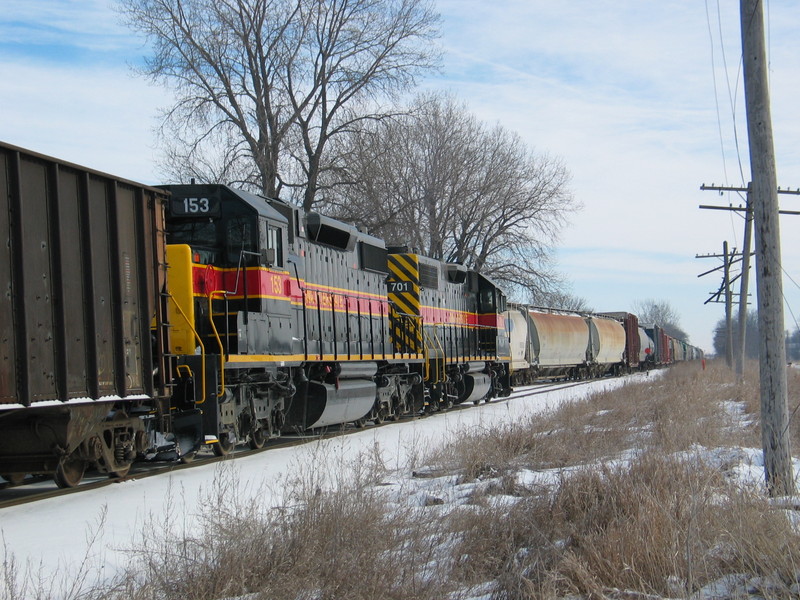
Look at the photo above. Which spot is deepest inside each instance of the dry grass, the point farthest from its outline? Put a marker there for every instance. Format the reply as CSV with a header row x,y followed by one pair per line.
x,y
666,414
660,523
750,395
660,526
334,538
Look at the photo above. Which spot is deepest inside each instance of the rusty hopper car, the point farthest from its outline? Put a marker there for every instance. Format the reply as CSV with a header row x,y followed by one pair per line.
x,y
606,346
82,273
553,344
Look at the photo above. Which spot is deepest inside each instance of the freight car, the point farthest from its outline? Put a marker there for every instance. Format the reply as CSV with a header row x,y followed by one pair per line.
x,y
83,325
635,340
548,343
145,322
662,351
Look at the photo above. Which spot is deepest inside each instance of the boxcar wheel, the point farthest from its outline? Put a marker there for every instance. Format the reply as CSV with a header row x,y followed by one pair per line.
x,y
13,478
381,415
120,471
69,472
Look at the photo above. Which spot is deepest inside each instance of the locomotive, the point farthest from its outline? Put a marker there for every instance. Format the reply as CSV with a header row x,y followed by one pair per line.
x,y
144,322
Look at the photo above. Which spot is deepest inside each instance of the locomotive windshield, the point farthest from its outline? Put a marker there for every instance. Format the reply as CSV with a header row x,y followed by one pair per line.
x,y
201,235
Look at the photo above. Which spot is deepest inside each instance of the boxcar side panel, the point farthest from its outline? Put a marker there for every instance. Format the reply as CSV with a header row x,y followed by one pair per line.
x,y
81,275
38,277
72,276
8,381
127,230
101,286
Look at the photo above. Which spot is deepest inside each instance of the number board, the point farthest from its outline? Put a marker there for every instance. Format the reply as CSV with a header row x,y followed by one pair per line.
x,y
197,206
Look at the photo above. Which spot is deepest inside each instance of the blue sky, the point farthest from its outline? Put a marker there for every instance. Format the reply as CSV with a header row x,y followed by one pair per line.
x,y
624,92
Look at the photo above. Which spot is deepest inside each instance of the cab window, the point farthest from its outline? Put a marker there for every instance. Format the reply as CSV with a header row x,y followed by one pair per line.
x,y
274,242
487,301
271,238
240,243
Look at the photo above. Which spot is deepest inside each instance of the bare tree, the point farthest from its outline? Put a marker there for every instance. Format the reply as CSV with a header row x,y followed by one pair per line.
x,y
661,313
440,181
262,86
564,300
751,340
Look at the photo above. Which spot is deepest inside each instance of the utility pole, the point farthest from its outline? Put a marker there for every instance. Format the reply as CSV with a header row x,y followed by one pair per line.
x,y
724,292
746,254
748,234
774,398
728,307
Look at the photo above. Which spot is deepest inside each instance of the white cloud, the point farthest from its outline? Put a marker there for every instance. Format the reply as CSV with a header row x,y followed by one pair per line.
x,y
99,117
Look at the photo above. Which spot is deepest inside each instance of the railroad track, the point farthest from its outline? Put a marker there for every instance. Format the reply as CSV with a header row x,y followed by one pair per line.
x,y
35,488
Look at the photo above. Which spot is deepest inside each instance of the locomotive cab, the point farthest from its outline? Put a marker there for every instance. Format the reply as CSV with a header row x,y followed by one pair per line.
x,y
225,227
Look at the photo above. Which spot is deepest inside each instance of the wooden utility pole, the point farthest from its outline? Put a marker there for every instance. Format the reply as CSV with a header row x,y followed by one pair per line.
x,y
728,307
724,294
774,401
746,254
748,229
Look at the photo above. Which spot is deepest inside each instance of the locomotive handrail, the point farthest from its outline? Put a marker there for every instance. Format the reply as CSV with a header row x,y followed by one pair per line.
x,y
202,347
211,295
441,374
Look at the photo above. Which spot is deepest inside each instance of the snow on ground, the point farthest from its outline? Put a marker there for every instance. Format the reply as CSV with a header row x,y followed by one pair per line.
x,y
92,530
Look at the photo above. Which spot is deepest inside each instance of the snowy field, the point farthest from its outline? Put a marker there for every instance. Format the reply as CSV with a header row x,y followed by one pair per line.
x,y
91,532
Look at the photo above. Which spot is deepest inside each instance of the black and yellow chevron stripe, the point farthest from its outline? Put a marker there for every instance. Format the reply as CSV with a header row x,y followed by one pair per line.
x,y
405,319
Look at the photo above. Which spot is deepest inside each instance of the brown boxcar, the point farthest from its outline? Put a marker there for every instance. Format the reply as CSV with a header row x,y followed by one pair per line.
x,y
82,273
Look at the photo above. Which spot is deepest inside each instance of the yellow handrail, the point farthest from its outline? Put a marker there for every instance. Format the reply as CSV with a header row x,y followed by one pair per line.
x,y
202,348
219,341
440,373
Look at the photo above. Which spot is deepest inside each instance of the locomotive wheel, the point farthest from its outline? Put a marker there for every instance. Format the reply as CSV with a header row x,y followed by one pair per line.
x,y
360,423
381,415
69,472
257,439
224,446
185,459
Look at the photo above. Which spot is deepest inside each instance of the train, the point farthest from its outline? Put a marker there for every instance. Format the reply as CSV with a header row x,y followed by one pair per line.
x,y
552,343
147,322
